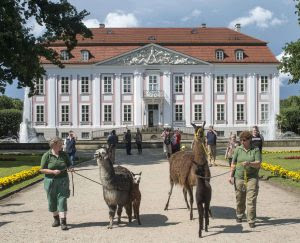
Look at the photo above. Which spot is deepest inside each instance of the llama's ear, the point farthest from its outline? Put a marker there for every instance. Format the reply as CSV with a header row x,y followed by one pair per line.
x,y
140,173
194,126
203,124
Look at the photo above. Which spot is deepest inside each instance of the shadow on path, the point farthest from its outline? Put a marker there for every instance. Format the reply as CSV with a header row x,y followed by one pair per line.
x,y
15,212
220,212
4,223
265,221
232,229
11,204
88,224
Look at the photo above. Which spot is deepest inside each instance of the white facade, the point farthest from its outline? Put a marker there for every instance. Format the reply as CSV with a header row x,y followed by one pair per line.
x,y
232,97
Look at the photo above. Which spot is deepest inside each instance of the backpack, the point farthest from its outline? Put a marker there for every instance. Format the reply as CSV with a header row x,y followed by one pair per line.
x,y
167,140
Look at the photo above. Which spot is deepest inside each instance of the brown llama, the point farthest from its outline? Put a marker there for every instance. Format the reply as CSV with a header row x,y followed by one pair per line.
x,y
183,166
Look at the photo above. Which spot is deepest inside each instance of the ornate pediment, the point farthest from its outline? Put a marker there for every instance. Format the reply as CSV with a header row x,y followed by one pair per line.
x,y
153,54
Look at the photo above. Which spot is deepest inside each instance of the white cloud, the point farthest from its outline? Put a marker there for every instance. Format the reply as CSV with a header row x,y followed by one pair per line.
x,y
35,29
120,19
194,14
283,77
91,23
262,18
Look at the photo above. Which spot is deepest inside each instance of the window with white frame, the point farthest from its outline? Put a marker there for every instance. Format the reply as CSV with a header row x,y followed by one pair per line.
x,y
220,84
240,111
220,55
65,111
126,84
178,84
85,55
240,87
64,135
178,112
127,113
107,84
64,55
40,113
107,113
198,84
64,85
85,114
198,112
264,112
153,83
85,85
239,55
220,112
85,135
264,84
39,86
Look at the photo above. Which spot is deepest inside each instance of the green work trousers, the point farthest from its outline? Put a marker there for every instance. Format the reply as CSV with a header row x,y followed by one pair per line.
x,y
57,193
246,193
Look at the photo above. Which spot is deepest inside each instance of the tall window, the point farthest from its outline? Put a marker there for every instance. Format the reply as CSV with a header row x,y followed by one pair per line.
x,y
153,83
65,113
198,112
40,113
220,55
127,113
64,55
264,84
178,84
178,112
264,112
239,55
85,55
39,87
197,84
220,84
126,84
85,113
64,85
107,83
107,113
220,112
85,85
240,84
240,109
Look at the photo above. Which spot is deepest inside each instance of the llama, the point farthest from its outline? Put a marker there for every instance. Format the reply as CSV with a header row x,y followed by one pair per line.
x,y
183,166
117,188
136,196
203,196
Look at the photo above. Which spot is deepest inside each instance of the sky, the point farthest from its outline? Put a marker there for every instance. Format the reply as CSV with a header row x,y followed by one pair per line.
x,y
273,21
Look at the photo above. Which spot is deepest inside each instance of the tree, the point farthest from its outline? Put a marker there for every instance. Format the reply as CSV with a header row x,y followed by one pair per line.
x,y
290,61
10,122
10,103
21,51
289,117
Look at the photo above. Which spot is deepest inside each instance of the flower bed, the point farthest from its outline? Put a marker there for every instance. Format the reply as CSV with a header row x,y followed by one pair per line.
x,y
18,177
277,170
280,152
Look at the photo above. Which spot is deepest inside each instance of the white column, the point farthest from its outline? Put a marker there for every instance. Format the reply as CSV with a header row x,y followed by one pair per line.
x,y
208,98
168,102
138,99
75,102
251,99
96,100
230,105
276,93
187,99
117,105
52,84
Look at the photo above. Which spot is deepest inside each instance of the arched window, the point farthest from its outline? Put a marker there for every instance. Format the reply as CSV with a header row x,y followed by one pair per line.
x,y
85,55
219,54
64,55
239,55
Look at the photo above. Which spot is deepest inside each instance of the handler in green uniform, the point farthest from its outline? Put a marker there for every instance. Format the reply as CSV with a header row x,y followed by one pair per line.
x,y
54,165
245,166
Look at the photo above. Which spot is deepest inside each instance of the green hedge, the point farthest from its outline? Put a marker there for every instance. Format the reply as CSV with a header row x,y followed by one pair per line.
x,y
10,120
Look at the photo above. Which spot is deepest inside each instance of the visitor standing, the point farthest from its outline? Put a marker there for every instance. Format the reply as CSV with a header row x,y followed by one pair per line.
x,y
211,141
231,146
70,146
127,140
257,140
139,140
54,165
245,166
112,141
166,135
176,141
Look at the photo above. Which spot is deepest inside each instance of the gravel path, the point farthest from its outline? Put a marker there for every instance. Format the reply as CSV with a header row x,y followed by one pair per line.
x,y
24,217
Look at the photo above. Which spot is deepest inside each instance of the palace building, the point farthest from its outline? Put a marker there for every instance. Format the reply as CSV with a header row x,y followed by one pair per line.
x,y
148,77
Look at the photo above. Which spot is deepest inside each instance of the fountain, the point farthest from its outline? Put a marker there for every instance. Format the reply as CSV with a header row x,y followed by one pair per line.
x,y
269,132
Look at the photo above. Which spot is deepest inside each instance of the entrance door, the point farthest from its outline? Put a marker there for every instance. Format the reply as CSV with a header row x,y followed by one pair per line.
x,y
150,118
153,117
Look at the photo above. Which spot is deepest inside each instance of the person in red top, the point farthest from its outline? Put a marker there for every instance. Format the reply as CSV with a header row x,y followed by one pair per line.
x,y
176,141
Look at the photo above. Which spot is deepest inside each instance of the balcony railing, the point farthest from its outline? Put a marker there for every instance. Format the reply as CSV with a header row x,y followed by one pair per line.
x,y
153,94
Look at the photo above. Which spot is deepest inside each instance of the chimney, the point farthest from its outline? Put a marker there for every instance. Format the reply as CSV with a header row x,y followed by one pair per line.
x,y
203,25
238,27
101,26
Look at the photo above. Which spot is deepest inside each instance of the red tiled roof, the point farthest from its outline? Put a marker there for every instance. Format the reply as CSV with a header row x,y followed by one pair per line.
x,y
200,43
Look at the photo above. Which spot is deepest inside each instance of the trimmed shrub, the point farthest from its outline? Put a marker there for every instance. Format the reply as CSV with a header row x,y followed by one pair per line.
x,y
10,120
